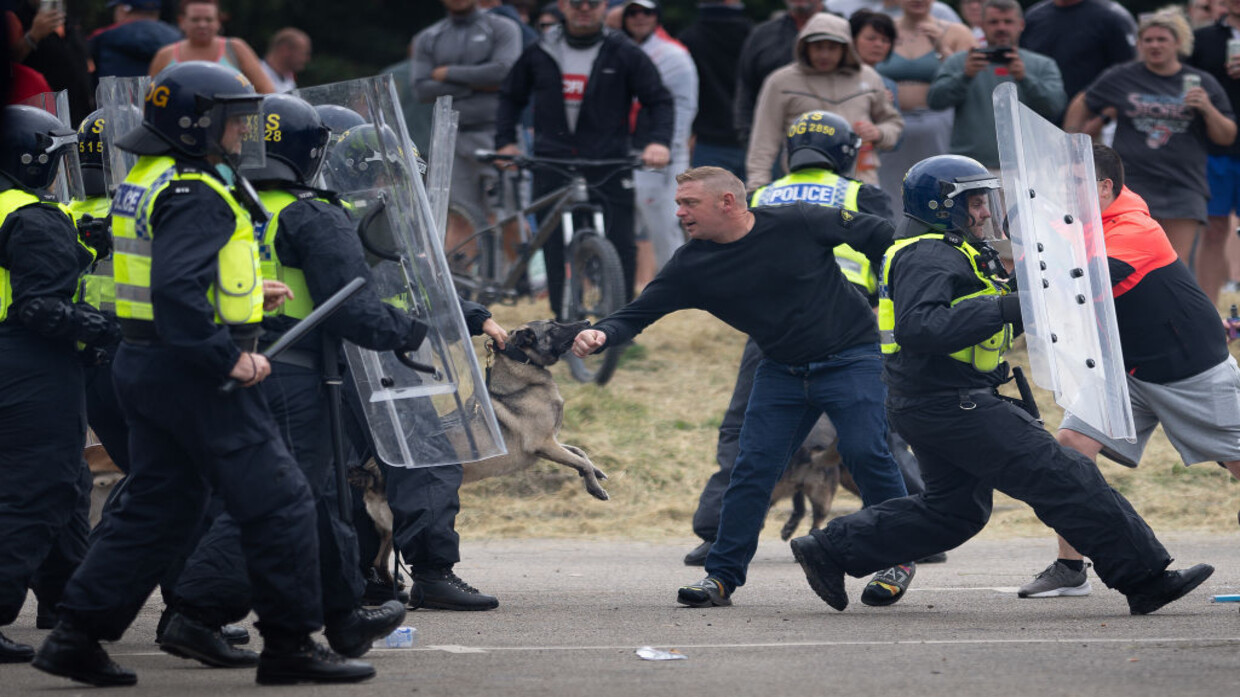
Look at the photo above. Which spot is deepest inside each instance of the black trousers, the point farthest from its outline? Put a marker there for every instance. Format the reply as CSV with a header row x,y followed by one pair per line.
x,y
44,498
187,440
615,195
710,503
103,413
214,587
967,454
424,503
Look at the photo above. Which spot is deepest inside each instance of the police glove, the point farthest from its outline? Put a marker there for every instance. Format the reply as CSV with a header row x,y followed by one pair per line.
x,y
96,233
95,328
416,334
1009,308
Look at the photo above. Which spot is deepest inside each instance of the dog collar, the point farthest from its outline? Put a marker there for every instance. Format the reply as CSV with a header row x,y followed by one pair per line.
x,y
509,352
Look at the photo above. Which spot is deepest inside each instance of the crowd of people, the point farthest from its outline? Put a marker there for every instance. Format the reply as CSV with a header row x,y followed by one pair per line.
x,y
825,181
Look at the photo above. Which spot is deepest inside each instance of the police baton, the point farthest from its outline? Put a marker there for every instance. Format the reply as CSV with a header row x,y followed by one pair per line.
x,y
307,325
1026,394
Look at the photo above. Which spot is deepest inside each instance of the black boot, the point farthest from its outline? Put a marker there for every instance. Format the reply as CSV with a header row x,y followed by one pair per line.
x,y
353,634
1166,587
71,653
235,634
188,638
45,615
697,557
377,592
440,589
13,652
287,661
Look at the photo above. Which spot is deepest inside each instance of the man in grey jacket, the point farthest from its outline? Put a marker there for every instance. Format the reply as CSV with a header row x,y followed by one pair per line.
x,y
466,55
967,79
655,189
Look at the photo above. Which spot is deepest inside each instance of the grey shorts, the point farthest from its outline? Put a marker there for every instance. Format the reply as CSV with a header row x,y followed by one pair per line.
x,y
1200,415
1169,202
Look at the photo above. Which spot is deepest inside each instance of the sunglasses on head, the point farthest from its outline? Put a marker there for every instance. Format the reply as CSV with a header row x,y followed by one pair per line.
x,y
638,10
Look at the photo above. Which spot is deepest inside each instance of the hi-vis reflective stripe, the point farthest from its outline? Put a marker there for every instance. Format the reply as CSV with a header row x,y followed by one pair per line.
x,y
136,294
129,245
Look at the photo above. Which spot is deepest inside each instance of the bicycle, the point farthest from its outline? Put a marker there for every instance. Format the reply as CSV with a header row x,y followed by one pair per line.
x,y
594,287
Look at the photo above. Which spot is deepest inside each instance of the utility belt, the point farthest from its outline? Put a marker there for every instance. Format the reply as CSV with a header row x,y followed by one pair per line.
x,y
966,396
141,332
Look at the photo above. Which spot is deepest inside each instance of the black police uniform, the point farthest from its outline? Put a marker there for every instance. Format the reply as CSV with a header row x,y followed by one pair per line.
x,y
189,439
44,483
319,238
970,442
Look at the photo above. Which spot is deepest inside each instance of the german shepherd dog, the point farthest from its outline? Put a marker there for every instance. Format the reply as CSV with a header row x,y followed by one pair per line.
x,y
529,409
816,472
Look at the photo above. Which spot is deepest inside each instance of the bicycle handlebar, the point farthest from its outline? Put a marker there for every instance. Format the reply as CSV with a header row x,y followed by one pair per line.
x,y
528,161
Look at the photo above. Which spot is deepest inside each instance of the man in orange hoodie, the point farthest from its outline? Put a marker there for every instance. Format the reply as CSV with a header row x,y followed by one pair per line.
x,y
1180,373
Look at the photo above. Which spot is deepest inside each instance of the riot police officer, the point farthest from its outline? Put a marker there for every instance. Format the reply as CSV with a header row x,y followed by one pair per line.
x,y
190,298
98,289
42,416
946,315
311,245
424,500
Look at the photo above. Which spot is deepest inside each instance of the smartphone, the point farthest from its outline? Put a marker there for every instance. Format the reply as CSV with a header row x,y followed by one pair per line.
x,y
996,54
54,5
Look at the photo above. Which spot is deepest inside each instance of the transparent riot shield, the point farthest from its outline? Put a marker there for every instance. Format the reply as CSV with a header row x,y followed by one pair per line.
x,y
68,184
121,99
444,125
418,418
1061,265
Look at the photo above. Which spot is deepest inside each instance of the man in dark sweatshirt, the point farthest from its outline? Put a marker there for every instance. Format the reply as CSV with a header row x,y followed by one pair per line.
x,y
770,273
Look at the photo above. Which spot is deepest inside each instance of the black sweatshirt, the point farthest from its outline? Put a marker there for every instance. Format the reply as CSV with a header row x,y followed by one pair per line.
x,y
779,284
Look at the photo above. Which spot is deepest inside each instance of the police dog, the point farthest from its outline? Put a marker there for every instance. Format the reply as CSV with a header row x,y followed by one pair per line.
x,y
815,472
528,405
529,409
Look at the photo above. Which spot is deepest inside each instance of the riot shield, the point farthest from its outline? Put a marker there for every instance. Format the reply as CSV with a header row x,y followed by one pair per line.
x,y
418,419
442,154
68,184
1061,265
121,99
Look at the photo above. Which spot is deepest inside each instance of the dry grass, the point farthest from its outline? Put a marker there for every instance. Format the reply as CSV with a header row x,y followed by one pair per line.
x,y
653,430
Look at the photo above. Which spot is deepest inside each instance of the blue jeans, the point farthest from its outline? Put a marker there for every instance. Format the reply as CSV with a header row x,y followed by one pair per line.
x,y
785,403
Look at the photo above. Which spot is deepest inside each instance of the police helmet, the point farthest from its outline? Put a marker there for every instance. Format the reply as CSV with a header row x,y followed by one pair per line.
x,y
90,153
338,118
937,191
356,161
187,107
32,145
296,140
823,140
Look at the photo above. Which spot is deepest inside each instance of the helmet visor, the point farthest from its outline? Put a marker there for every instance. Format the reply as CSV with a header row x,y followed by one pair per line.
x,y
977,207
238,132
67,186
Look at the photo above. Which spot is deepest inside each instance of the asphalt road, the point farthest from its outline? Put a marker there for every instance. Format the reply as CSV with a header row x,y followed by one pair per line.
x,y
573,613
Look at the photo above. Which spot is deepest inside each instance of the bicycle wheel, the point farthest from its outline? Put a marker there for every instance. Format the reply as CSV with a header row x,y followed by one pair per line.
x,y
473,262
596,289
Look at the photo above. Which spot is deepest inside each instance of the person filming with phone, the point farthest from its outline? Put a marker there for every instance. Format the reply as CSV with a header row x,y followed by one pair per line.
x,y
966,80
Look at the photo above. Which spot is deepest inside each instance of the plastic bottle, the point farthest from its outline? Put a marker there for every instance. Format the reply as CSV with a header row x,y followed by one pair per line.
x,y
1233,324
400,638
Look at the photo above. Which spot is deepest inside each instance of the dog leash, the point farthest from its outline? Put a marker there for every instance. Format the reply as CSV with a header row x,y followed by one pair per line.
x,y
508,351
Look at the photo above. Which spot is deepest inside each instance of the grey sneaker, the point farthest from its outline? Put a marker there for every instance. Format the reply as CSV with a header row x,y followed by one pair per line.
x,y
1056,580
